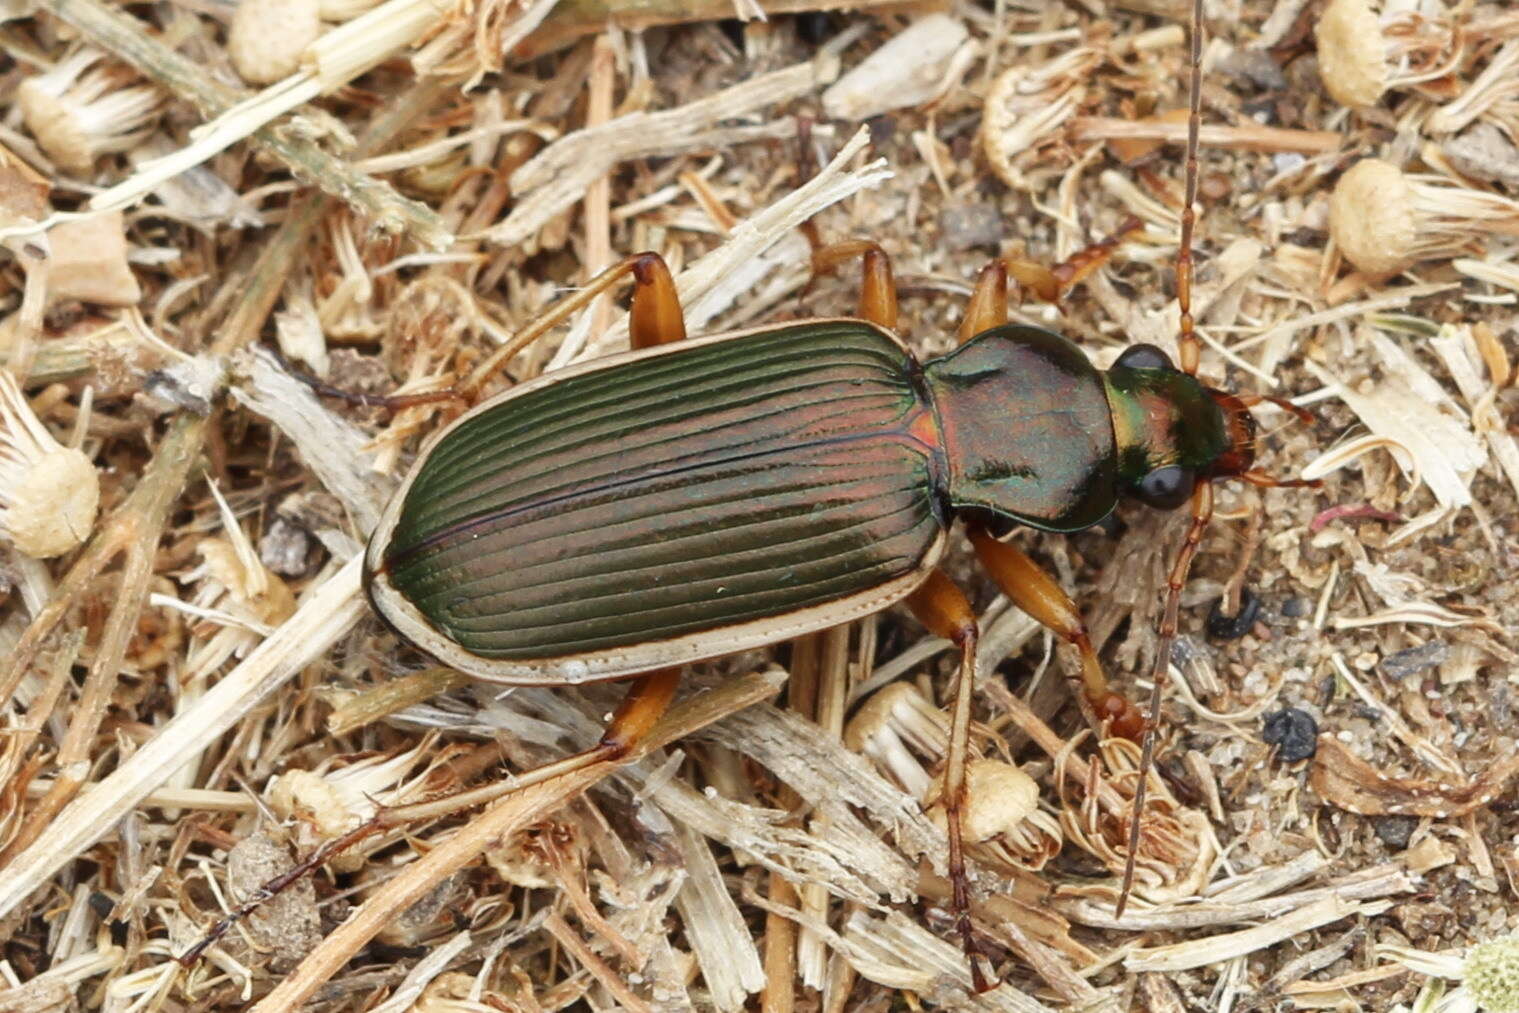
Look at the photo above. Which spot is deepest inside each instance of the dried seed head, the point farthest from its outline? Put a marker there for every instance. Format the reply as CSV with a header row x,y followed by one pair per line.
x,y
311,797
890,721
1371,217
268,38
1492,974
79,112
998,798
1352,54
1383,220
48,492
1027,105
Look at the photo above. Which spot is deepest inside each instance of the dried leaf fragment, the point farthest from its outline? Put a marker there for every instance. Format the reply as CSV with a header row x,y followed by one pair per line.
x,y
89,262
908,70
1349,782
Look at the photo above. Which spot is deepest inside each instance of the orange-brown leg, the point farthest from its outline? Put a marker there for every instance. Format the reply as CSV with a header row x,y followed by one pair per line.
x,y
988,303
656,317
643,705
878,290
943,608
1037,593
1049,283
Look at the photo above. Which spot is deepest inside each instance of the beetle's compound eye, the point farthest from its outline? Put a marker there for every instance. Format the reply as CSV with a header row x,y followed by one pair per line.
x,y
1144,357
1167,488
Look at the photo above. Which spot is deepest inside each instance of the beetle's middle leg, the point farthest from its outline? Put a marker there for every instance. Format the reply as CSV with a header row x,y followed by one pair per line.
x,y
1033,590
944,609
878,288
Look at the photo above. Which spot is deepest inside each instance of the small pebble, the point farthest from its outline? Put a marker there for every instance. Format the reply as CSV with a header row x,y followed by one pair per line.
x,y
965,226
1402,664
1296,608
1395,831
1222,627
1287,161
1293,732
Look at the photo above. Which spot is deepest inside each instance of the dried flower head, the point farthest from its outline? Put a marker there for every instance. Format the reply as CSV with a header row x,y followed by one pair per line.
x,y
1384,220
1352,55
1026,106
78,111
1002,811
1492,974
268,38
890,721
332,800
1488,974
48,492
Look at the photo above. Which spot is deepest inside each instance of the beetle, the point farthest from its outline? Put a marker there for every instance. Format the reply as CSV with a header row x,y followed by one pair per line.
x,y
691,499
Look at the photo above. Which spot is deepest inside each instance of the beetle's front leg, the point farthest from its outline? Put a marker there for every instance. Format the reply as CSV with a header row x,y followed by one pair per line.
x,y
944,609
1049,283
1037,593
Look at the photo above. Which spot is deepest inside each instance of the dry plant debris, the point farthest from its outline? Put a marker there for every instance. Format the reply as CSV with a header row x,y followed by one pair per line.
x,y
194,695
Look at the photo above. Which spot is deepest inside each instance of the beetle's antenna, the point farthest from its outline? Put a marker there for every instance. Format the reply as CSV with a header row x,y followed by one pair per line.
x,y
1202,495
1187,346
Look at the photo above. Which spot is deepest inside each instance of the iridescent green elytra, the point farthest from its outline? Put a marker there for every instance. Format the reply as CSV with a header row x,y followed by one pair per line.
x,y
693,500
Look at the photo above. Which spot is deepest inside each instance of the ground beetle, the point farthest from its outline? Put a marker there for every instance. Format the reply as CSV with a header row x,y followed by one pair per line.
x,y
692,499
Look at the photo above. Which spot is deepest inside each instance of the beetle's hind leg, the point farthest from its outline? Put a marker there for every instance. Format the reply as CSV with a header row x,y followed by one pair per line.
x,y
1037,593
943,608
642,706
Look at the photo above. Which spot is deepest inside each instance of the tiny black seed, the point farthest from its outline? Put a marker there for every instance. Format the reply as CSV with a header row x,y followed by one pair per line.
x,y
1395,830
1222,627
101,904
1293,732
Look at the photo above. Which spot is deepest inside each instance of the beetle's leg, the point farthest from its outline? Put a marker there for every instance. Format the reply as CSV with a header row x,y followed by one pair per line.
x,y
644,704
878,290
943,608
988,303
656,317
1037,593
1048,283
555,316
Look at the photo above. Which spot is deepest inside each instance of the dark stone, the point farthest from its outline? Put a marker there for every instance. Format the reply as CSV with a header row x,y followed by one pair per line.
x,y
1293,732
1394,831
1222,627
1402,664
814,27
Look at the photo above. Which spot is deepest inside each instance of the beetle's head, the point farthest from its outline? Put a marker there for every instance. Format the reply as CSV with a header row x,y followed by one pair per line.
x,y
1171,431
